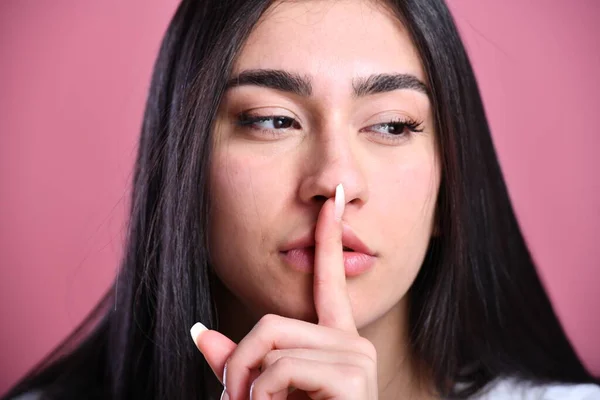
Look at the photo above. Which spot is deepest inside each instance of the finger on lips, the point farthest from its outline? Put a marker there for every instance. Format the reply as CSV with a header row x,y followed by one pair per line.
x,y
294,353
331,299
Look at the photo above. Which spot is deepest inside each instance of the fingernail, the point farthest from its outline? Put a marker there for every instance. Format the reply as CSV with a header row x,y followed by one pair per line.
x,y
224,395
340,202
197,330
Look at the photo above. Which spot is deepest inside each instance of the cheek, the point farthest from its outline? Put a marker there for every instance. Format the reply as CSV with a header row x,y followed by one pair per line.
x,y
233,218
241,188
248,196
406,206
410,190
235,195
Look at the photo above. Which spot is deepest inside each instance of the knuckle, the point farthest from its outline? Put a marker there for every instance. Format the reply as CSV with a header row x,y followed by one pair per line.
x,y
319,281
365,362
367,348
267,320
355,379
284,363
270,359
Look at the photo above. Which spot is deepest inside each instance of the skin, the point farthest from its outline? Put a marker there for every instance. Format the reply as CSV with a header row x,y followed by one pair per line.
x,y
271,186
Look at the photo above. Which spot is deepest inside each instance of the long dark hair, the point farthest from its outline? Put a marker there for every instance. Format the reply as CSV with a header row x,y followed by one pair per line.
x,y
477,308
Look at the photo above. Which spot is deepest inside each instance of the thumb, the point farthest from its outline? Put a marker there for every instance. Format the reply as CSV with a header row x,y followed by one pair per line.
x,y
214,346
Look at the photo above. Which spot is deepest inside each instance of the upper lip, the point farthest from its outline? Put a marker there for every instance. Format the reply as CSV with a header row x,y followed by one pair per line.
x,y
349,240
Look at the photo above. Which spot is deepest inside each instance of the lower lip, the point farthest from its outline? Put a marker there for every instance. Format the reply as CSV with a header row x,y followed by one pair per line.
x,y
355,263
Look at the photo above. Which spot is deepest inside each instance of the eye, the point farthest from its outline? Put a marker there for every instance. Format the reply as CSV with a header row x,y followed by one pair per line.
x,y
267,122
395,131
396,128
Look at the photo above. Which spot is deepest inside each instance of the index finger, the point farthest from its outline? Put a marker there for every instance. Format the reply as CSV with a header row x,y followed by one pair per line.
x,y
330,291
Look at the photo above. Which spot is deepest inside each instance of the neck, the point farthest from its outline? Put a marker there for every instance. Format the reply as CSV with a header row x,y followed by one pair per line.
x,y
397,374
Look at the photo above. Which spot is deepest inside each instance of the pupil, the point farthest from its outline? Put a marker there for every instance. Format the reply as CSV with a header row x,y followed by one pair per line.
x,y
281,122
395,128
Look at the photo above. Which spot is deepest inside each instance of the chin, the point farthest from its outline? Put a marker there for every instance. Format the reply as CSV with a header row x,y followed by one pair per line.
x,y
299,306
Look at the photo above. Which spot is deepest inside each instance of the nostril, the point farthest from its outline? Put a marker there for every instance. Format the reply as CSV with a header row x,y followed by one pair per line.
x,y
320,199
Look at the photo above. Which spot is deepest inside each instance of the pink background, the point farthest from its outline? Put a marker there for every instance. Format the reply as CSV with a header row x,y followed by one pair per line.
x,y
73,81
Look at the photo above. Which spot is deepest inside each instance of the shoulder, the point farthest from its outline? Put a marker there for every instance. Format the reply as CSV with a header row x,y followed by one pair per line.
x,y
512,389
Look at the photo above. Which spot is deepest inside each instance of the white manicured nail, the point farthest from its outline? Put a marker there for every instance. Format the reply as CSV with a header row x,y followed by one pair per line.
x,y
340,202
197,330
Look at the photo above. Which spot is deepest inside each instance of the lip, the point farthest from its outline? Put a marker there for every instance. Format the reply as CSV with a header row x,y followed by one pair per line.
x,y
349,239
300,253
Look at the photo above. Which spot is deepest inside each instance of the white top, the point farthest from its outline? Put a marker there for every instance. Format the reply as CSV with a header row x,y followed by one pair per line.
x,y
512,390
505,389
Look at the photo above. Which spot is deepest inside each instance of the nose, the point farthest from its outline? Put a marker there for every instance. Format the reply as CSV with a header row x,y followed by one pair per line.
x,y
333,160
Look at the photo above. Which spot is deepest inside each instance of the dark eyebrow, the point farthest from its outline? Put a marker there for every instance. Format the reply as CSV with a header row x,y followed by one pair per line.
x,y
273,79
381,83
294,83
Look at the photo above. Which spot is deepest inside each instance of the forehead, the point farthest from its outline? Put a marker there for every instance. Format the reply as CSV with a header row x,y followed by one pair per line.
x,y
331,41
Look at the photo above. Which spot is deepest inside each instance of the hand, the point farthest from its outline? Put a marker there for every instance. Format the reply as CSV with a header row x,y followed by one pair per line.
x,y
325,361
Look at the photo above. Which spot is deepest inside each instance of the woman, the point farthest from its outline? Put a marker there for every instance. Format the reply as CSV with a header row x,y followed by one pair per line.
x,y
316,183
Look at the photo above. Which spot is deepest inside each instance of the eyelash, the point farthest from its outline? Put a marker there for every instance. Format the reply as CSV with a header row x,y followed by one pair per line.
x,y
249,121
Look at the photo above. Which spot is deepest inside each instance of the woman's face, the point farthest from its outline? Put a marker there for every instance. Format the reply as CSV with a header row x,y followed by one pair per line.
x,y
328,93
